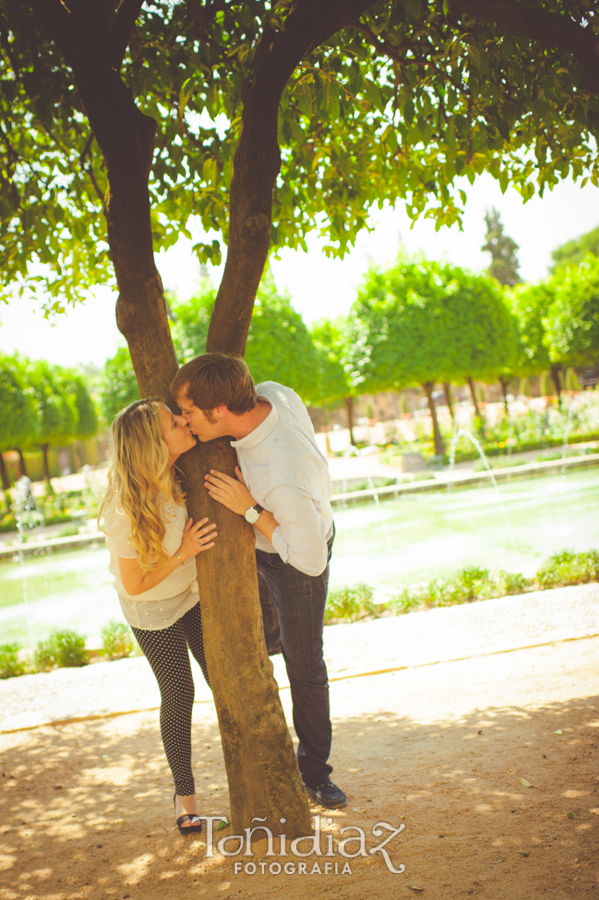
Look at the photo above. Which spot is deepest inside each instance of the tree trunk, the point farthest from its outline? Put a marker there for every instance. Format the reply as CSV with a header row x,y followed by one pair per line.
x,y
22,464
44,448
473,395
262,771
504,386
447,392
349,409
5,483
555,373
427,387
257,161
263,775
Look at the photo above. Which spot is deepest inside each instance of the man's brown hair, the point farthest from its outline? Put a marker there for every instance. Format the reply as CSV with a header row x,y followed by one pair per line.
x,y
215,379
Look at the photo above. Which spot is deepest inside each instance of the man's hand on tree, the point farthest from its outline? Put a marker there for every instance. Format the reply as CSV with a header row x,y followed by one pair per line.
x,y
231,492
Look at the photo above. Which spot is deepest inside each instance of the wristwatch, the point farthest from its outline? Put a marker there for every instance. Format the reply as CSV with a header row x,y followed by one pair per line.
x,y
252,514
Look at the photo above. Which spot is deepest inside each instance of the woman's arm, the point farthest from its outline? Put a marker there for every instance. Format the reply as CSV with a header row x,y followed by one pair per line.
x,y
196,538
233,494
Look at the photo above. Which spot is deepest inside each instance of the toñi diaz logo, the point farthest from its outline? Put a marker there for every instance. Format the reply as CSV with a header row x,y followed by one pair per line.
x,y
316,845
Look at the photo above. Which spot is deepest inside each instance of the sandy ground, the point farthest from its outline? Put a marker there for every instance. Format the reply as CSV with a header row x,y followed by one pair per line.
x,y
86,807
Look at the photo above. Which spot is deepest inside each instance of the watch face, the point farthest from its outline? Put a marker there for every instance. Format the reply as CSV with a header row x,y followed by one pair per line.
x,y
252,515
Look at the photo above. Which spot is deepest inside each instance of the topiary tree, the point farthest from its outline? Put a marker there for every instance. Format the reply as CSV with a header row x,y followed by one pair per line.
x,y
486,331
118,385
529,304
573,252
405,318
18,417
279,346
429,322
87,417
57,415
337,381
572,320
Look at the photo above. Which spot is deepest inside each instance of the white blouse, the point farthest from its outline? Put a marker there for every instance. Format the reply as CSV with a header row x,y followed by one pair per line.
x,y
162,605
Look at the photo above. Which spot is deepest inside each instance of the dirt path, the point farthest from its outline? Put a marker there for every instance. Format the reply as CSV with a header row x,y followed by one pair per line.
x,y
86,808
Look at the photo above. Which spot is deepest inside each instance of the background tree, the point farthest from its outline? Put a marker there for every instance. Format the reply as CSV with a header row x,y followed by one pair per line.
x,y
405,97
339,377
572,320
430,322
406,315
486,332
529,304
504,260
18,418
56,407
87,418
573,252
118,385
279,345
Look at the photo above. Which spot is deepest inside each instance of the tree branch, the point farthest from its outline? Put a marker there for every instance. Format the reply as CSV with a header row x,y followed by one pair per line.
x,y
58,21
120,32
257,160
548,28
387,49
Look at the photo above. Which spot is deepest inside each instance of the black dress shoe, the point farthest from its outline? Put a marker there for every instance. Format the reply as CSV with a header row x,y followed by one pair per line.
x,y
326,793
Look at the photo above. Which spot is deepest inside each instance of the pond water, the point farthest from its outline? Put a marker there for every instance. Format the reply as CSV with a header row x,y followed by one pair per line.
x,y
407,540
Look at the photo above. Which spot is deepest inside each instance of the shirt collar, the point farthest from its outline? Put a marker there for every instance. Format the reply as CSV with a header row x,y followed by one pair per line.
x,y
262,431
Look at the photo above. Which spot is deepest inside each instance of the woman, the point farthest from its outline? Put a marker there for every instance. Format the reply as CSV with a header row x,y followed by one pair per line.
x,y
153,545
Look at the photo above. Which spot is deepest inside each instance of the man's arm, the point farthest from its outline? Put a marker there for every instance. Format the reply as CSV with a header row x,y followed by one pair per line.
x,y
301,537
290,520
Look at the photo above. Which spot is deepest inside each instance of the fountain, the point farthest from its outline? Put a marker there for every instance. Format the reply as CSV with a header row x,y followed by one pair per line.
x,y
28,514
90,494
463,432
354,451
29,518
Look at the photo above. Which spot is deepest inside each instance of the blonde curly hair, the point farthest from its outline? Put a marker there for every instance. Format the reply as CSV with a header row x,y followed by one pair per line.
x,y
141,480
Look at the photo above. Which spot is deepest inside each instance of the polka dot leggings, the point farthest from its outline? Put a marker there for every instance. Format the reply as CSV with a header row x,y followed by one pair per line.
x,y
167,653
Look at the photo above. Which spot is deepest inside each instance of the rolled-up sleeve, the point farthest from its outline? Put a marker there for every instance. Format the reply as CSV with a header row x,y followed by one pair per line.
x,y
301,535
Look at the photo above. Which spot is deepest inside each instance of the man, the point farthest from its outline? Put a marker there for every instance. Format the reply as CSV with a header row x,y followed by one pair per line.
x,y
283,488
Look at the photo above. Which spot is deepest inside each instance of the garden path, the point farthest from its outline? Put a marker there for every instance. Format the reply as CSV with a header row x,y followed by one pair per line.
x,y
489,762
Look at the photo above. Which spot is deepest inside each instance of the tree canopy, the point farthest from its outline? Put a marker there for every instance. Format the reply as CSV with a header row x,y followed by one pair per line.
x,y
279,345
118,385
529,304
394,102
423,322
339,375
572,320
573,252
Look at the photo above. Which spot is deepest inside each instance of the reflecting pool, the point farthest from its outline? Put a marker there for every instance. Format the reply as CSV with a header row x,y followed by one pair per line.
x,y
430,534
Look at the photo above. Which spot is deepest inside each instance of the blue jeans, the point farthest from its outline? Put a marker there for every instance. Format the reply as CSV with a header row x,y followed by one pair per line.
x,y
293,616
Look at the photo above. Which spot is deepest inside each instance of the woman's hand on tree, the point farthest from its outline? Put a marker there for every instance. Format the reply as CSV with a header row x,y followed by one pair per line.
x,y
196,538
231,492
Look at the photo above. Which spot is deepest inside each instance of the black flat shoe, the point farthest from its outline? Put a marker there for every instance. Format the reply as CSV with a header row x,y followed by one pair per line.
x,y
196,822
326,793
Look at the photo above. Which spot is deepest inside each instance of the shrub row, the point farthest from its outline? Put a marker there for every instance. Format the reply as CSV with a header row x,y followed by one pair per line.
x,y
352,604
65,649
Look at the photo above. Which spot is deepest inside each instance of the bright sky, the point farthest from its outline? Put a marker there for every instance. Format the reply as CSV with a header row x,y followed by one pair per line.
x,y
319,286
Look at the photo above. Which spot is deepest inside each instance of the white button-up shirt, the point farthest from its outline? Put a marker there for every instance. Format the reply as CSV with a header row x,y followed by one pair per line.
x,y
287,474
